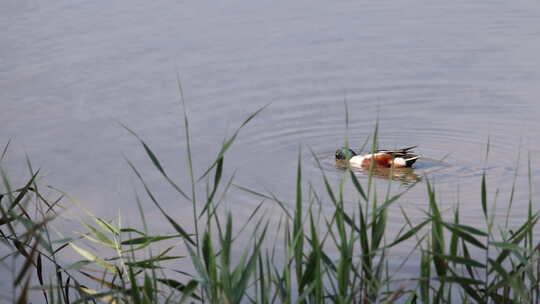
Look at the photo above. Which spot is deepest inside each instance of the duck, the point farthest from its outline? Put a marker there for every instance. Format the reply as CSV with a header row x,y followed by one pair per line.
x,y
401,158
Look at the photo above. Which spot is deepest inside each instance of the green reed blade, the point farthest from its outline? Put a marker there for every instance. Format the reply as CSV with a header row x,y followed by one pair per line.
x,y
462,260
100,237
466,228
148,239
248,268
454,237
100,281
105,225
529,207
29,261
484,195
135,293
407,235
388,202
217,179
519,235
379,229
425,276
256,193
465,235
316,264
200,268
329,190
5,150
175,225
148,289
23,297
513,189
92,258
188,291
23,192
437,233
228,142
227,278
210,263
298,229
358,186
466,283
156,162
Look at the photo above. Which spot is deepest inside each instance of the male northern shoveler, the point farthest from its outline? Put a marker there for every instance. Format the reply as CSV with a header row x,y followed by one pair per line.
x,y
383,158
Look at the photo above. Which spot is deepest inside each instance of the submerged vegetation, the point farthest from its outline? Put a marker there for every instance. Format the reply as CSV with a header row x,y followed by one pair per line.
x,y
309,256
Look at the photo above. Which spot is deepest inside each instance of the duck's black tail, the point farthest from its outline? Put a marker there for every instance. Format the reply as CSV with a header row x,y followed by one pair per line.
x,y
398,151
405,150
409,161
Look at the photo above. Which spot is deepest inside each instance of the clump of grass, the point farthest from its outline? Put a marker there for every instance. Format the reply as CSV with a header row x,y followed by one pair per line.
x,y
316,256
26,244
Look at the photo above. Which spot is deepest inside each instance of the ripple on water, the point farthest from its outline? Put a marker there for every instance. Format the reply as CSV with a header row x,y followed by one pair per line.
x,y
459,135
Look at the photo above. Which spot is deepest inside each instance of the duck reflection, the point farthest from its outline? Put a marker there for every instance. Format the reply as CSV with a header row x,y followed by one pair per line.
x,y
404,175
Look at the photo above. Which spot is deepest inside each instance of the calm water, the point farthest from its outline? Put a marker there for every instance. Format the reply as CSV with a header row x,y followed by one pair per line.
x,y
445,76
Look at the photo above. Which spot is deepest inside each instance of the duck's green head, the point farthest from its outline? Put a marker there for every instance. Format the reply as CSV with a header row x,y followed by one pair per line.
x,y
344,153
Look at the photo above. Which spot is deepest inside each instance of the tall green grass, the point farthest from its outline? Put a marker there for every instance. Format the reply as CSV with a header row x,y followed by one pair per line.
x,y
310,256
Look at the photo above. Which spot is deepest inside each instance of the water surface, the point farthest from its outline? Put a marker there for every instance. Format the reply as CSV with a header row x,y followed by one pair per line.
x,y
446,76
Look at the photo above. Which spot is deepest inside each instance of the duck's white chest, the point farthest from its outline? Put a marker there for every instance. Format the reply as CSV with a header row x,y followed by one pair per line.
x,y
357,160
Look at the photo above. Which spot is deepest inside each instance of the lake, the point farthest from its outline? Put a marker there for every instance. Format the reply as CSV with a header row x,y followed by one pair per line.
x,y
446,76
